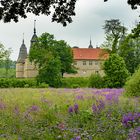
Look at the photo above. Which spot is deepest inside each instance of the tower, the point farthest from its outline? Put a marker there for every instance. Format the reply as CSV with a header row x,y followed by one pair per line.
x,y
30,69
34,37
21,60
90,45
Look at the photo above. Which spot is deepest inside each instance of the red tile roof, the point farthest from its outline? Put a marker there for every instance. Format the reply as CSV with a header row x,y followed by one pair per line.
x,y
89,54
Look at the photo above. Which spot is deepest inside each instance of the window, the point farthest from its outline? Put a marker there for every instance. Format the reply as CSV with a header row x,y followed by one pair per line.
x,y
90,62
84,62
96,62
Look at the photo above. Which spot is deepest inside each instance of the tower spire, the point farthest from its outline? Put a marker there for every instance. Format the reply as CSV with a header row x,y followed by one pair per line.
x,y
90,41
90,45
23,39
34,26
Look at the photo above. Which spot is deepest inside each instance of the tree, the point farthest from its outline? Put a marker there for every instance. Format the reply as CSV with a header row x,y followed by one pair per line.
x,y
50,72
133,3
114,31
46,48
64,51
130,49
7,61
136,31
2,52
115,71
62,11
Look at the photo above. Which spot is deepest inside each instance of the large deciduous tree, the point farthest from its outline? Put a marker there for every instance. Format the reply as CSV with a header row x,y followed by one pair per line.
x,y
47,49
134,3
130,49
62,10
114,32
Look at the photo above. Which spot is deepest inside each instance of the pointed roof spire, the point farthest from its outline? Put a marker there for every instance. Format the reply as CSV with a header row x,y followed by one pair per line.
x,y
90,45
34,26
22,53
34,37
90,40
23,39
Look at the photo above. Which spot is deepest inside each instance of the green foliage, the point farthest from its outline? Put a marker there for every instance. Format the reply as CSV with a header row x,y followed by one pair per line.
x,y
74,82
115,71
132,86
96,81
130,51
114,32
17,83
61,11
43,85
50,72
64,51
2,51
11,73
52,58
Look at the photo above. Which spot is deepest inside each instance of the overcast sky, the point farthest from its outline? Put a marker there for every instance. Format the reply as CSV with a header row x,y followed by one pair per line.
x,y
89,19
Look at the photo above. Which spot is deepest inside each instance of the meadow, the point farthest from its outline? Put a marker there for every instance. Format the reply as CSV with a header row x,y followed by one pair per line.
x,y
68,114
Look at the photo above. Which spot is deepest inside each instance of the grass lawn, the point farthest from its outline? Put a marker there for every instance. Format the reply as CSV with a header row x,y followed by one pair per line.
x,y
68,114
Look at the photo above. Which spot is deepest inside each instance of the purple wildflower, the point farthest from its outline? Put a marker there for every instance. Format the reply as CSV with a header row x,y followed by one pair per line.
x,y
138,130
94,108
2,105
97,108
76,108
129,119
78,138
34,108
70,110
16,110
134,134
79,97
101,104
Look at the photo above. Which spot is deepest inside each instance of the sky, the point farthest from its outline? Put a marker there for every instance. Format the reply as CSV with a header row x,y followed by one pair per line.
x,y
88,22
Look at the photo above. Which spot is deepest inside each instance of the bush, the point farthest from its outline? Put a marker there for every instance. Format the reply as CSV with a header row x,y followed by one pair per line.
x,y
115,71
74,82
132,86
96,81
17,83
43,85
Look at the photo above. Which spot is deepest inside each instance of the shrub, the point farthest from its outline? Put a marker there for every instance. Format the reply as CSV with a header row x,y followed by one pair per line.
x,y
43,85
95,81
132,86
115,71
74,82
21,83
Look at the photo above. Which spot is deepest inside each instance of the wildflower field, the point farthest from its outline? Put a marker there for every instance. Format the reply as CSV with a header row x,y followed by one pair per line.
x,y
68,114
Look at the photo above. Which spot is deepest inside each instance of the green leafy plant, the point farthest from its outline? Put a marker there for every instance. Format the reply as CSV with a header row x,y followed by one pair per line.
x,y
132,86
96,81
115,70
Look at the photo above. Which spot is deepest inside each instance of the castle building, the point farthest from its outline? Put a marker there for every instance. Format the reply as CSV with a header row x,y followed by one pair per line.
x,y
86,60
24,68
